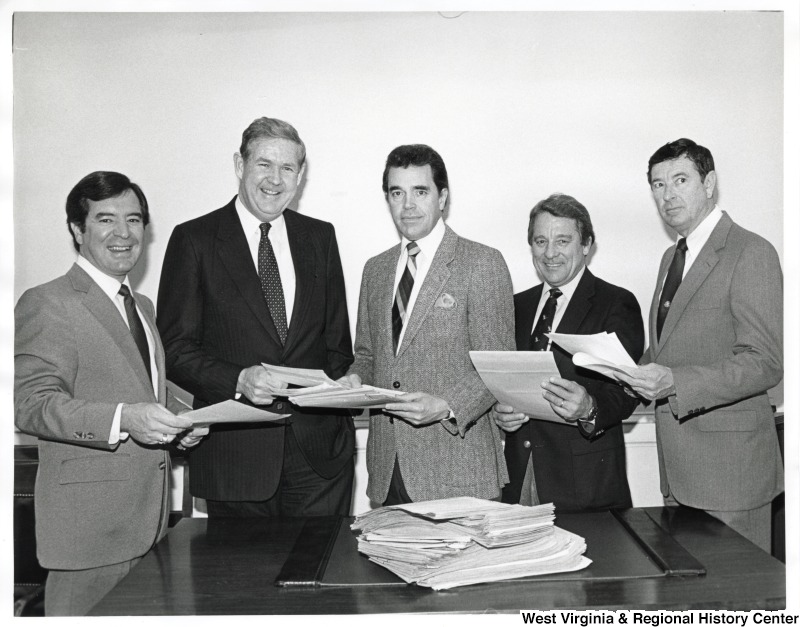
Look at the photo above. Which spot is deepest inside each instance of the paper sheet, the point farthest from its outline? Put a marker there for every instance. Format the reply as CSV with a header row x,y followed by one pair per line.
x,y
601,352
364,397
230,412
515,378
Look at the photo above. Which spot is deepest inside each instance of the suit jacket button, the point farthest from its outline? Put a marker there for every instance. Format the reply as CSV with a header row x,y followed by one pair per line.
x,y
279,406
526,444
396,385
162,465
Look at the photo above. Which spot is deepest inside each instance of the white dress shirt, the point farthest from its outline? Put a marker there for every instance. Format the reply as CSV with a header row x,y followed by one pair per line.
x,y
698,238
110,287
428,246
567,290
280,244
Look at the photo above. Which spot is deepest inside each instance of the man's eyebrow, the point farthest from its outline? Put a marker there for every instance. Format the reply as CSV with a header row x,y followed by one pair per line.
x,y
422,187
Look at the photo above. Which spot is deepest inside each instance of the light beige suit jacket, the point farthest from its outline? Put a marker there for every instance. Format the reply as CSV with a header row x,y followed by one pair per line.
x,y
75,360
723,340
465,303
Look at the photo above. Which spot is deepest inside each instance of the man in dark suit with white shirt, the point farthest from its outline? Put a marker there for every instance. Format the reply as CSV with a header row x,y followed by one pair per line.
x,y
253,283
579,464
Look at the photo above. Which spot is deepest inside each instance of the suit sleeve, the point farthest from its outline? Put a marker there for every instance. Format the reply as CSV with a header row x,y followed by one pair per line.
x,y
180,324
756,361
337,322
613,404
363,350
490,328
45,369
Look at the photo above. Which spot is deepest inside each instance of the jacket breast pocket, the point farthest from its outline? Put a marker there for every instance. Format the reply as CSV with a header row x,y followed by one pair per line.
x,y
97,468
728,420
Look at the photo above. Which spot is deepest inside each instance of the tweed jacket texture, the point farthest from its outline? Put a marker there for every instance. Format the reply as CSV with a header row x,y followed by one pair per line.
x,y
465,303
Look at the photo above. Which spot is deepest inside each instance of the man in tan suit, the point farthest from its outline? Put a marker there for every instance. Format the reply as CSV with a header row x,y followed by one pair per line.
x,y
89,382
716,341
424,304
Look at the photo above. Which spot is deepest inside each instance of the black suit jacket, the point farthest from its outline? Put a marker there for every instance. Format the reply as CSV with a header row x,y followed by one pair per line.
x,y
575,470
214,322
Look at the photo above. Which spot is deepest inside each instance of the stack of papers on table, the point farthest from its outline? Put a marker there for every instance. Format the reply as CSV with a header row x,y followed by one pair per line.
x,y
456,542
601,352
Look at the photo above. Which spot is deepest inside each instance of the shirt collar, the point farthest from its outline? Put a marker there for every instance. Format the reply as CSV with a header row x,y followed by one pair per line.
x,y
697,238
568,289
250,223
429,244
108,284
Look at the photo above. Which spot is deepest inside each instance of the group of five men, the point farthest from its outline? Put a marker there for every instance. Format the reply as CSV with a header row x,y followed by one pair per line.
x,y
252,283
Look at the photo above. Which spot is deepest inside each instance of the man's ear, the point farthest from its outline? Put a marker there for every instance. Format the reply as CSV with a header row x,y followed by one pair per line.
x,y
76,231
710,183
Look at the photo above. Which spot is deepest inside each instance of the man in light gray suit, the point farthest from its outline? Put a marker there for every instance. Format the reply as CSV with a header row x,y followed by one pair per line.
x,y
716,341
89,382
424,304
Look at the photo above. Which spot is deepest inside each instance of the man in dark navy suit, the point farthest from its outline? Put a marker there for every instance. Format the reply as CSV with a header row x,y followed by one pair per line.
x,y
255,283
580,464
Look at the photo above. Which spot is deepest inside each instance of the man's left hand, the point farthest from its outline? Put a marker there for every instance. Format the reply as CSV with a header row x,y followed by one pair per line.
x,y
568,399
651,382
418,408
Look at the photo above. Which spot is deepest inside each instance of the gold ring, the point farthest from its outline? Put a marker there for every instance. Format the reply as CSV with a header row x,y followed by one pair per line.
x,y
164,438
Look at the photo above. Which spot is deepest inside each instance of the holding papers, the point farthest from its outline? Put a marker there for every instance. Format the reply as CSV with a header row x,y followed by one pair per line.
x,y
228,412
515,378
319,390
460,541
601,352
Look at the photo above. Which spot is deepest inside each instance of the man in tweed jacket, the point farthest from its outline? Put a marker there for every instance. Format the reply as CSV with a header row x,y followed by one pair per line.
x,y
436,440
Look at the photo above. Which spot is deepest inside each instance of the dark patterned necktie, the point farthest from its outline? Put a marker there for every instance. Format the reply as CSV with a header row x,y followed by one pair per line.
x,y
136,327
671,284
539,340
271,285
404,293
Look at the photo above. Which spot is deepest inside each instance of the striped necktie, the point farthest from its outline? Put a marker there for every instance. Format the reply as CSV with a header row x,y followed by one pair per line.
x,y
404,293
136,327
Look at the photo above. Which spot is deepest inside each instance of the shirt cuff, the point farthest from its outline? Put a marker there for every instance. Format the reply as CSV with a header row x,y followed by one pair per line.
x,y
116,435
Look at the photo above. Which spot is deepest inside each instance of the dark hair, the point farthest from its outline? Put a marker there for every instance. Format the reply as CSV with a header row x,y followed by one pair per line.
x,y
417,155
563,206
99,186
699,155
272,128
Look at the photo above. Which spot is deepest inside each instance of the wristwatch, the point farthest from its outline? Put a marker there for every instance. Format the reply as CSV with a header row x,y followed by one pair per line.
x,y
588,422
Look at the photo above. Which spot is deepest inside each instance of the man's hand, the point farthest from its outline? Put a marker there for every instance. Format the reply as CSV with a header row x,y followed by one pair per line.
x,y
151,423
350,381
258,385
418,408
506,418
193,437
568,399
651,382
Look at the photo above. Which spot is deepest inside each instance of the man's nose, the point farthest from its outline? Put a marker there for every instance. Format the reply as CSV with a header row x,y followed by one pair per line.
x,y
274,175
408,202
122,229
550,250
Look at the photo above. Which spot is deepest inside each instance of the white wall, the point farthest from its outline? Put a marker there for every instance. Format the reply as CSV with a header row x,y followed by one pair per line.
x,y
520,105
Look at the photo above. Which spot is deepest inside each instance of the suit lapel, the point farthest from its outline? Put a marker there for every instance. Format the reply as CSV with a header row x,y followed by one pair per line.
x,y
304,270
234,253
436,279
106,313
701,268
579,305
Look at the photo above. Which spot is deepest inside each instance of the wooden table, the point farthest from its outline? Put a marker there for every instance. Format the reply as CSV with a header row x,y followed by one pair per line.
x,y
230,566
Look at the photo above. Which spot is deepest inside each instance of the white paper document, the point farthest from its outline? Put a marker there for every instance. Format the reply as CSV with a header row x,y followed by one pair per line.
x,y
304,377
601,352
515,378
364,397
230,412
